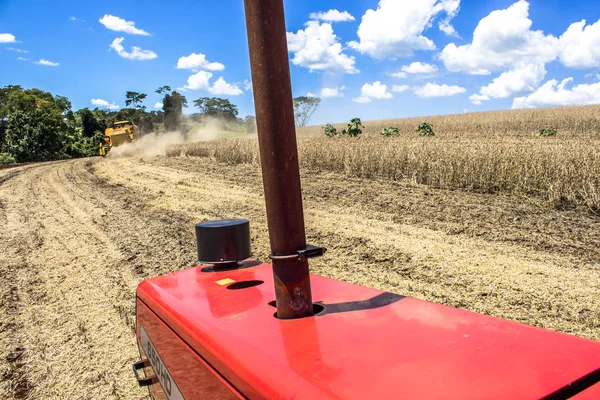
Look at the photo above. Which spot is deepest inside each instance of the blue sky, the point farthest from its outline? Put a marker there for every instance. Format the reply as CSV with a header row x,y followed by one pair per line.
x,y
367,58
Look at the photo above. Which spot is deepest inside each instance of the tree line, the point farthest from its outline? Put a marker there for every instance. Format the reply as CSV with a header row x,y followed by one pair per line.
x,y
38,126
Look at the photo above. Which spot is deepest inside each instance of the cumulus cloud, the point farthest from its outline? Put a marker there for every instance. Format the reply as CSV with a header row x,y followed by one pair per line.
x,y
500,40
201,81
478,98
398,74
105,104
369,91
48,63
75,19
158,105
435,90
580,45
395,28
17,50
317,48
198,61
523,78
400,88
120,25
136,52
220,87
553,93
7,38
419,68
332,16
332,92
198,81
22,59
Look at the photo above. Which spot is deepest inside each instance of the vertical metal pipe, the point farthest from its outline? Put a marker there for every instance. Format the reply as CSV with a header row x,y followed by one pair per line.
x,y
278,154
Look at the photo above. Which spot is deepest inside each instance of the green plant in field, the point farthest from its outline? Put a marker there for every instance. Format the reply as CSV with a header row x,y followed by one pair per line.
x,y
330,131
390,131
353,128
6,158
425,129
548,132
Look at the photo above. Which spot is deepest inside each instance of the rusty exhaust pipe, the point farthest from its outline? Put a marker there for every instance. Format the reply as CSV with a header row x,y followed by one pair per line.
x,y
269,63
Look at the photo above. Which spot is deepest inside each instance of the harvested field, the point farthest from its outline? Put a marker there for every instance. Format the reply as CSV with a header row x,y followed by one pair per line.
x,y
80,235
564,172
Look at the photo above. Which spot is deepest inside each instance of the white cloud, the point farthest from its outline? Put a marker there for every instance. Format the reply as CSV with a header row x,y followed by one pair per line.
x,y
553,93
398,74
158,105
105,104
369,91
198,61
7,38
17,50
435,90
361,99
220,87
414,68
136,52
523,78
580,45
451,8
500,40
76,19
317,48
419,68
447,28
198,81
247,84
400,88
22,59
478,98
120,25
332,16
396,28
48,63
332,92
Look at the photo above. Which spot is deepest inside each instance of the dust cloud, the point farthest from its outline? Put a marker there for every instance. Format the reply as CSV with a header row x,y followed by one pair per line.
x,y
155,144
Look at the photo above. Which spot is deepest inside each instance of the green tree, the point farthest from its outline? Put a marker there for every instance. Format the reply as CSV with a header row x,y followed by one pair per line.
x,y
37,135
36,125
217,107
173,107
304,108
163,89
90,123
136,99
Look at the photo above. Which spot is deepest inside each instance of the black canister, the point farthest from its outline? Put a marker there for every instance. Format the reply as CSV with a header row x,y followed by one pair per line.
x,y
223,241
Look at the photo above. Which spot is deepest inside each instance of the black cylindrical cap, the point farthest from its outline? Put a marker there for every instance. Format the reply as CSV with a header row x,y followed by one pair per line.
x,y
223,241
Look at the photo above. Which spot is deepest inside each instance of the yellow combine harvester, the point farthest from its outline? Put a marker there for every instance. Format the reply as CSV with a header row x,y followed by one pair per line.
x,y
118,133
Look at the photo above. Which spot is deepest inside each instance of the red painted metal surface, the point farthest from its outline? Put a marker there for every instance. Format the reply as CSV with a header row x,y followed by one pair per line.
x,y
193,376
365,344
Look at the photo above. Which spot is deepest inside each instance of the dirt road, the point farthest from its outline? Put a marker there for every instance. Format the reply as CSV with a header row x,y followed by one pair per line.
x,y
78,236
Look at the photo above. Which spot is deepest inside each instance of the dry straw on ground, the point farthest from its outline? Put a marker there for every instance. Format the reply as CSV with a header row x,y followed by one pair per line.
x,y
497,152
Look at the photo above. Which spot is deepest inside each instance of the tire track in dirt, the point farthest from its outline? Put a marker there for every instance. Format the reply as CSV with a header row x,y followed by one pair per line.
x,y
75,345
20,233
